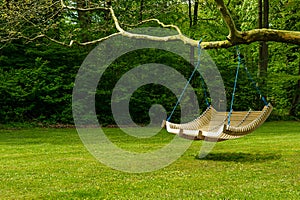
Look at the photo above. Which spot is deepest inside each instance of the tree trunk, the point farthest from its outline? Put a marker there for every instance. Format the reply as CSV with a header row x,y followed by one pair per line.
x,y
83,20
263,22
193,22
260,10
190,14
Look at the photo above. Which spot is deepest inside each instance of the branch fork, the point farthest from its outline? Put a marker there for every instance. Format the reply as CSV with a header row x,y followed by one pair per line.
x,y
234,37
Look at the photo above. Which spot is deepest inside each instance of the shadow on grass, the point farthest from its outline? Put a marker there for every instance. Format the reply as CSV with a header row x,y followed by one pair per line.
x,y
240,157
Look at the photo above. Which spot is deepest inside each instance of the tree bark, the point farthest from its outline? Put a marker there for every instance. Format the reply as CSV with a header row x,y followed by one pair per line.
x,y
190,14
83,19
193,23
263,22
235,37
196,7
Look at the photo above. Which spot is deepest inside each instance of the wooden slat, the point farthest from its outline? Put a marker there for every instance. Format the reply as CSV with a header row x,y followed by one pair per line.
x,y
242,122
251,126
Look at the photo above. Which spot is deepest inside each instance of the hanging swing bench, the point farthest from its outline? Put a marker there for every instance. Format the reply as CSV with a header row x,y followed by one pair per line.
x,y
218,126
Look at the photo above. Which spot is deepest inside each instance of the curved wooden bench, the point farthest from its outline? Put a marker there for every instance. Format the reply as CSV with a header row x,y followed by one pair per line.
x,y
213,124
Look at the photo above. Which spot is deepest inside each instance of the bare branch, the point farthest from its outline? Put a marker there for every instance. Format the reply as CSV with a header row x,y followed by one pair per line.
x,y
72,41
118,27
248,37
235,37
158,22
96,41
233,32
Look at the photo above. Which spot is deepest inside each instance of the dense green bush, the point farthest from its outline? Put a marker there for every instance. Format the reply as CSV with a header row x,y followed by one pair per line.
x,y
36,83
37,78
38,88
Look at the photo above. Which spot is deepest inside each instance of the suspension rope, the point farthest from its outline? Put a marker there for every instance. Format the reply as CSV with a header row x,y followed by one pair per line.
x,y
235,83
254,84
188,82
241,62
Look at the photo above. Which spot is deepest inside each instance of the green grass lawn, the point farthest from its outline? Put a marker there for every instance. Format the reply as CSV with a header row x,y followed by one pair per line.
x,y
40,163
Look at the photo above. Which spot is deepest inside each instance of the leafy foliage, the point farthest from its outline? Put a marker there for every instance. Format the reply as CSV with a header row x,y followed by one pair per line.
x,y
40,88
36,79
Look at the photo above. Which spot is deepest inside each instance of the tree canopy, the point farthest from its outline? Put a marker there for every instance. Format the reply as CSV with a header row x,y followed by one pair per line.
x,y
47,16
42,44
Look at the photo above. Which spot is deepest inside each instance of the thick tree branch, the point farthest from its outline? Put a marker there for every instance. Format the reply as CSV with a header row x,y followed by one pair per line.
x,y
235,37
292,37
233,32
248,37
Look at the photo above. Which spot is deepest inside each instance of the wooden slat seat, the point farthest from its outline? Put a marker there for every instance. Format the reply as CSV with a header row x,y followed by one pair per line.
x,y
209,124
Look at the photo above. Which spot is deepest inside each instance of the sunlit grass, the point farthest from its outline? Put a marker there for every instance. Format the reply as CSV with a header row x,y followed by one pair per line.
x,y
40,163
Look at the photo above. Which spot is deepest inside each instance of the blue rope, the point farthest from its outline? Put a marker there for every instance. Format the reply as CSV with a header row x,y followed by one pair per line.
x,y
188,82
235,82
254,84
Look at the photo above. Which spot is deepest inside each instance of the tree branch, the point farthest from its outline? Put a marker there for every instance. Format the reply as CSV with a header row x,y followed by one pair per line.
x,y
233,32
235,37
292,37
248,37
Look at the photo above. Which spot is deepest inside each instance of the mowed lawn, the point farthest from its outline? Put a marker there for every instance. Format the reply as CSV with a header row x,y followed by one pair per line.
x,y
41,163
